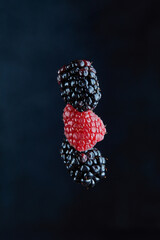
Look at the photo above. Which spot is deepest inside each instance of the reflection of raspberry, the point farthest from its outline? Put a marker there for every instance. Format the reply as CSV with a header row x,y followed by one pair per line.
x,y
86,167
82,129
79,85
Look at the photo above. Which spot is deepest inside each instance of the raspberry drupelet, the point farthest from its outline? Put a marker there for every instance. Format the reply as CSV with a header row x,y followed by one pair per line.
x,y
82,129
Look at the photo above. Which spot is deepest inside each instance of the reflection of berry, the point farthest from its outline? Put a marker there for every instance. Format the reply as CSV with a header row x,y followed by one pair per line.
x,y
82,129
86,167
79,85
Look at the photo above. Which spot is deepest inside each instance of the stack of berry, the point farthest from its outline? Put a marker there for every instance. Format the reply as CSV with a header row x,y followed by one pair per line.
x,y
82,128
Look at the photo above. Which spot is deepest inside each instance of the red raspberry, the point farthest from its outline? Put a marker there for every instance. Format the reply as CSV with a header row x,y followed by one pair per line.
x,y
82,129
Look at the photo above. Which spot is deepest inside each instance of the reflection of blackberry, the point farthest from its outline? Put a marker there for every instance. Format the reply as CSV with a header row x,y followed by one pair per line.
x,y
86,167
79,85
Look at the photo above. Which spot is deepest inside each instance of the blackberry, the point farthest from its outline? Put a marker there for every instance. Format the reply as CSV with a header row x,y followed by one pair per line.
x,y
86,167
79,85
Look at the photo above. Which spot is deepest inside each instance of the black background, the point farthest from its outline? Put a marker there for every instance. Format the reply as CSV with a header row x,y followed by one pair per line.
x,y
38,199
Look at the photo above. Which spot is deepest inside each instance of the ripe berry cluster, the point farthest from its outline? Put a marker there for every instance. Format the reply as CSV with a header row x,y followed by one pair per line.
x,y
83,128
86,167
79,85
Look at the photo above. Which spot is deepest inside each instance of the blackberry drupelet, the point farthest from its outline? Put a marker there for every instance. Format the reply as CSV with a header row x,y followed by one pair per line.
x,y
79,85
86,167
